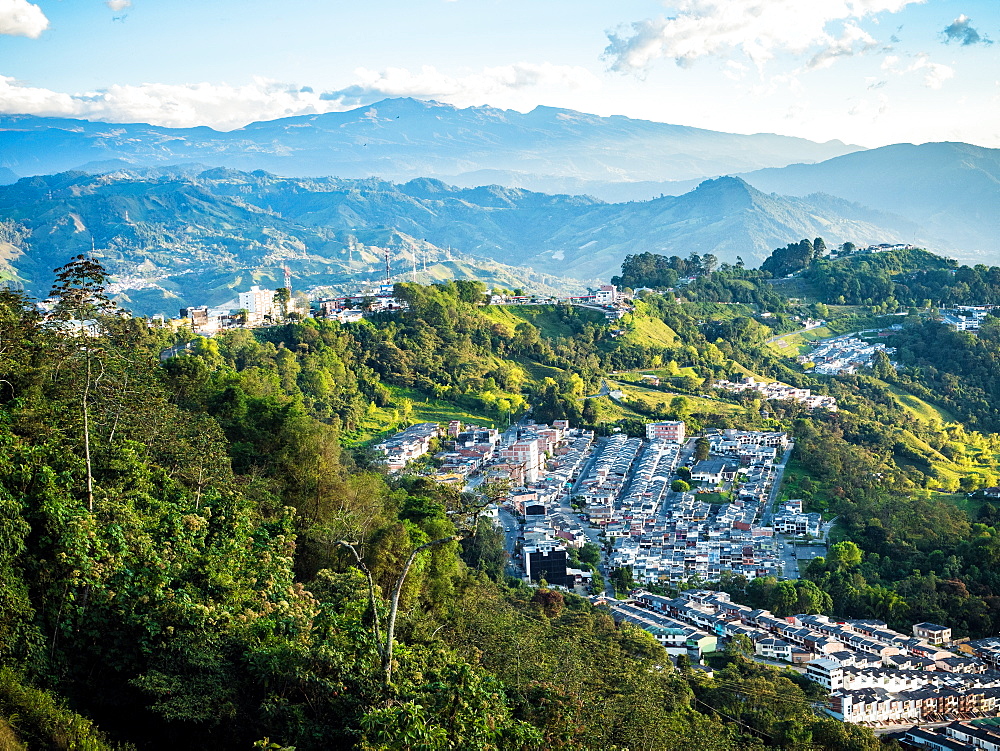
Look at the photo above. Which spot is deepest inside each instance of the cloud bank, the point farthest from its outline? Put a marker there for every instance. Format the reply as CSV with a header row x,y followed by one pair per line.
x,y
21,18
227,107
219,105
759,29
473,88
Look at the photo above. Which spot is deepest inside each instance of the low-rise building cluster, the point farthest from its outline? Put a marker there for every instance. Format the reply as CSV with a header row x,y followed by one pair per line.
x,y
253,308
885,247
351,308
539,461
790,519
263,307
676,637
987,650
777,390
956,736
874,674
843,355
467,449
412,443
965,317
666,536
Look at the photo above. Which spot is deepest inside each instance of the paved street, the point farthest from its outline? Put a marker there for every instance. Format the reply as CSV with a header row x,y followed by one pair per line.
x,y
783,543
671,497
595,449
779,473
511,531
786,550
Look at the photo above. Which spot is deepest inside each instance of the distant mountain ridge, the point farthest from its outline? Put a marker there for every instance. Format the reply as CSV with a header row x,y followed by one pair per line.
x,y
173,237
942,195
400,139
950,191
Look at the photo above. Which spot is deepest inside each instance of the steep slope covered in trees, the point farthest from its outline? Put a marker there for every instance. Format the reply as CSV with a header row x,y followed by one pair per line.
x,y
172,565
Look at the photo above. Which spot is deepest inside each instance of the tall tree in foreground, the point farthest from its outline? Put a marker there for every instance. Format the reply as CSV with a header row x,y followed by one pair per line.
x,y
79,303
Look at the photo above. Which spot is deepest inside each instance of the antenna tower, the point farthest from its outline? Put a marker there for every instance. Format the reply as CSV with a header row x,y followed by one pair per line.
x,y
288,278
388,276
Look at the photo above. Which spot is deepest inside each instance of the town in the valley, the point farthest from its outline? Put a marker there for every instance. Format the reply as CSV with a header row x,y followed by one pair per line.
x,y
643,525
677,512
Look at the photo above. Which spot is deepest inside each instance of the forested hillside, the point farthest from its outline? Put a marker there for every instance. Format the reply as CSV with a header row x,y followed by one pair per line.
x,y
200,552
191,559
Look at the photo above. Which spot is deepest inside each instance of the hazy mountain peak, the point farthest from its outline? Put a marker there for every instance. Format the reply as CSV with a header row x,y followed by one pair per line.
x,y
403,138
729,193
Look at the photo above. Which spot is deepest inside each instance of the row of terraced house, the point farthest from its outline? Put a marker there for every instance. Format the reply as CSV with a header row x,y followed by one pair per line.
x,y
668,537
875,675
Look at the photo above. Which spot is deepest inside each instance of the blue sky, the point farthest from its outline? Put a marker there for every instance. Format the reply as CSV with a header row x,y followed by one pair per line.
x,y
864,71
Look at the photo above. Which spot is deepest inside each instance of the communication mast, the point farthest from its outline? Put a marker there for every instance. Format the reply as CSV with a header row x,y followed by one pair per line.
x,y
388,275
288,278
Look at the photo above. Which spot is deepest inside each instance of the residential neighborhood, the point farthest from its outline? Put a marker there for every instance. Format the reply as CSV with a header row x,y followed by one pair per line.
x,y
779,391
622,489
875,676
843,355
569,489
263,307
965,317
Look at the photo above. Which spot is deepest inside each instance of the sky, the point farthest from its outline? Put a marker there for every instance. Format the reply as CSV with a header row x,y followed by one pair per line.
x,y
866,72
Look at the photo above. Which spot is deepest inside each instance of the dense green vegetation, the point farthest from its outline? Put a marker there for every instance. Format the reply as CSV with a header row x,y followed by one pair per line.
x,y
888,279
190,559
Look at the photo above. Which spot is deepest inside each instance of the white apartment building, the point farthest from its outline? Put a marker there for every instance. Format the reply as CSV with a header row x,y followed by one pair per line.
x,y
607,294
672,431
258,302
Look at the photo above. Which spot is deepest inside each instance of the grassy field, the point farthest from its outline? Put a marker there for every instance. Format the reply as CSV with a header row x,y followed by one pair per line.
x,y
383,422
501,314
536,371
649,331
921,409
545,317
796,288
961,500
660,373
964,459
610,411
715,497
797,343
653,396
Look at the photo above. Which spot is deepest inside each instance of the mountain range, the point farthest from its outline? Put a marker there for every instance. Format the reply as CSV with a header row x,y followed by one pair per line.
x,y
548,149
950,191
161,202
176,237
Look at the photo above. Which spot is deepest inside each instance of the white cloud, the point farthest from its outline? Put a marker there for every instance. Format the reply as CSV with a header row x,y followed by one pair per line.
x,y
219,105
119,5
226,107
463,90
760,29
21,18
735,70
872,108
935,74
